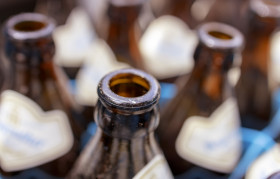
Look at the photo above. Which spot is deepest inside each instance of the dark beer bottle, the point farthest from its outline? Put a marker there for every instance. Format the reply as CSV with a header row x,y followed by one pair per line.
x,y
123,32
124,145
200,125
252,90
39,127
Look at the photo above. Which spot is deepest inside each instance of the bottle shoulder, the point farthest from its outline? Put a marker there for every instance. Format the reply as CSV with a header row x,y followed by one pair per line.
x,y
107,156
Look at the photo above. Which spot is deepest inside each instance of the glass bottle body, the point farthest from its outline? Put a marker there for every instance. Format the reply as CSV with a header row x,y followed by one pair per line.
x,y
252,90
203,119
36,98
124,144
107,156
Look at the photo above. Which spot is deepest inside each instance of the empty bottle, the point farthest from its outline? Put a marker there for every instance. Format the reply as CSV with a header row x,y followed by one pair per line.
x,y
200,125
124,145
120,28
39,122
252,90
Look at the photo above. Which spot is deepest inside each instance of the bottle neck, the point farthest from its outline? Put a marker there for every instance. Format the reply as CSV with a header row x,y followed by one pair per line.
x,y
124,15
123,35
30,61
122,20
146,142
30,53
210,71
121,125
257,49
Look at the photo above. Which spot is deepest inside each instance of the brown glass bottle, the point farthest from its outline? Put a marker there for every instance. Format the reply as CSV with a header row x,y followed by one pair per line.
x,y
122,32
126,115
36,106
232,12
252,90
203,116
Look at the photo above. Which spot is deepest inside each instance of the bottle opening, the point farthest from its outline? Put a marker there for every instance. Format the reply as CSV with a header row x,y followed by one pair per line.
x,y
29,26
129,85
220,35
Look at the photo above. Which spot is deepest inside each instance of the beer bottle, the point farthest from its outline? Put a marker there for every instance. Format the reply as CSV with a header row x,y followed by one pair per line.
x,y
252,90
232,12
39,124
122,31
124,145
200,125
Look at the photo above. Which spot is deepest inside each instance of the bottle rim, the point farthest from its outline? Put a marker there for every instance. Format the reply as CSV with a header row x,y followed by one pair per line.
x,y
34,34
265,9
110,98
235,42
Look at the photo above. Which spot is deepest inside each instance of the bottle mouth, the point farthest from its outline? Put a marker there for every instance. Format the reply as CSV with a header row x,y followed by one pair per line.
x,y
29,26
129,85
220,36
129,89
266,8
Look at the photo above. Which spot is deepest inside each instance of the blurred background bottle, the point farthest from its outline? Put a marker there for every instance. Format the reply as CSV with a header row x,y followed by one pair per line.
x,y
118,25
253,93
124,145
40,122
231,12
201,124
59,10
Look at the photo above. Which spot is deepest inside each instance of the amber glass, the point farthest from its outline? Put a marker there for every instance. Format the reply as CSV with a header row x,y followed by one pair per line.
x,y
29,50
253,94
202,93
126,115
232,12
122,32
